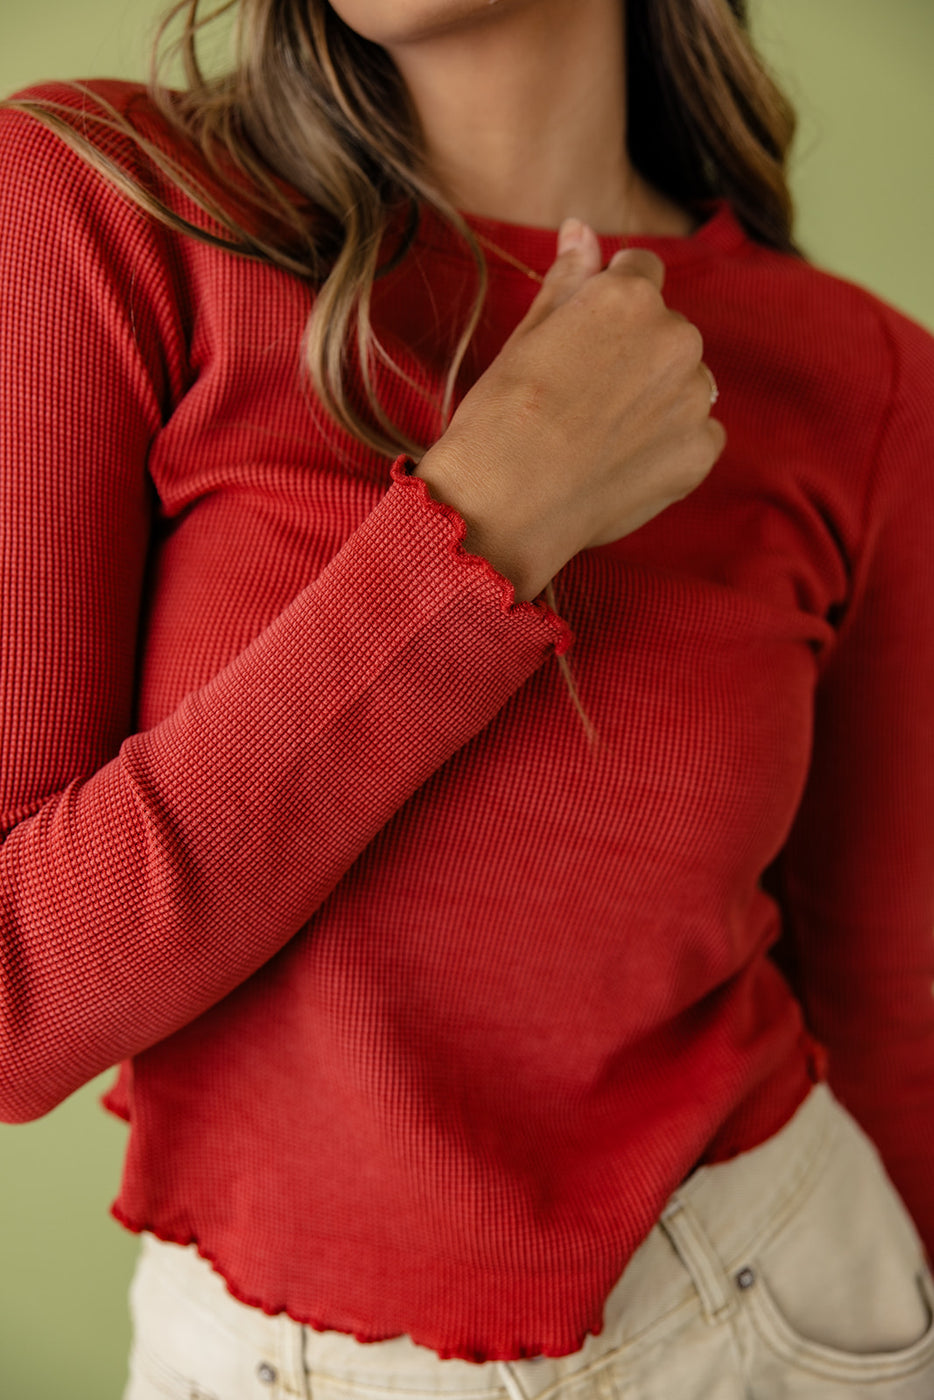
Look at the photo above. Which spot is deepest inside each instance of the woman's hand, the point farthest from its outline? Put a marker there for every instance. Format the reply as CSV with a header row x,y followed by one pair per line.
x,y
593,418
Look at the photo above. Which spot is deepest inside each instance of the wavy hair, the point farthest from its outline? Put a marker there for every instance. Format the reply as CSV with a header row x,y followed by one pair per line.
x,y
308,102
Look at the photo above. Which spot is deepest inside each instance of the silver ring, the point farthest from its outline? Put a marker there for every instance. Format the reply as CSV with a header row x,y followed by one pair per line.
x,y
714,391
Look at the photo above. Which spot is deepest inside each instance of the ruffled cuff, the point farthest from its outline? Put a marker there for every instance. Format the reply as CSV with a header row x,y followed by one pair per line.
x,y
482,569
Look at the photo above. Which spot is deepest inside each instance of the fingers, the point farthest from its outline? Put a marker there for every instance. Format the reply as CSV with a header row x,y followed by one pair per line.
x,y
639,262
711,387
579,240
579,255
717,434
711,384
579,258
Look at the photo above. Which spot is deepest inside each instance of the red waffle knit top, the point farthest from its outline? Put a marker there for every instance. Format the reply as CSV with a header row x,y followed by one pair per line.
x,y
426,1004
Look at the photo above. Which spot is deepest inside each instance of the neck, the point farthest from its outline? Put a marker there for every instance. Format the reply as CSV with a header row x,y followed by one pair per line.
x,y
522,106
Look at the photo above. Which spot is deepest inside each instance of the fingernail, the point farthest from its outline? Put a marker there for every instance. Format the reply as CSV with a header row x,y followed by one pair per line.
x,y
570,235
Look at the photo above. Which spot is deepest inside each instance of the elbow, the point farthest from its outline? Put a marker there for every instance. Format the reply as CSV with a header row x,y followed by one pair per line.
x,y
25,1094
14,1111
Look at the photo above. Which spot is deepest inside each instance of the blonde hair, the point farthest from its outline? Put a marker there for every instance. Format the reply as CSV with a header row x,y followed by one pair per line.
x,y
308,101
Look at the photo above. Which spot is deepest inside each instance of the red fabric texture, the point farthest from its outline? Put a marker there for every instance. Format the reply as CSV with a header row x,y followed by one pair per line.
x,y
425,1004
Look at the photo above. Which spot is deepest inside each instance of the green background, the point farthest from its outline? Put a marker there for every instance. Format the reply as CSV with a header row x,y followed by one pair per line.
x,y
859,72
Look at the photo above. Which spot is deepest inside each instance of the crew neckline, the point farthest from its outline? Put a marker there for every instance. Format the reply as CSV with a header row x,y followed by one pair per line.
x,y
719,233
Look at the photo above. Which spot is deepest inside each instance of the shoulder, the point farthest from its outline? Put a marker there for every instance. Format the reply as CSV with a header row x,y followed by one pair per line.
x,y
43,127
71,152
823,356
118,141
880,364
75,247
852,339
113,140
104,164
65,151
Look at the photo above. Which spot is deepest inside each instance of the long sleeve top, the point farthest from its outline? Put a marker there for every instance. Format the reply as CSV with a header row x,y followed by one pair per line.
x,y
425,1003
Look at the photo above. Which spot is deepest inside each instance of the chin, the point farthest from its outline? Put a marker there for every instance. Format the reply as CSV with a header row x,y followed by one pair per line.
x,y
406,21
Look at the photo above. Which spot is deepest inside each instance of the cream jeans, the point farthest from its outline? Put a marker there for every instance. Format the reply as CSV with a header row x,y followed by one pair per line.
x,y
791,1271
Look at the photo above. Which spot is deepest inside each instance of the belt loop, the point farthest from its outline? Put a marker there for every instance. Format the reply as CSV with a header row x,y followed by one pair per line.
x,y
511,1381
293,1377
692,1247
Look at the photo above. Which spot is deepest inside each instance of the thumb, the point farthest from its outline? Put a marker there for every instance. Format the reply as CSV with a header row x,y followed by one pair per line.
x,y
573,234
579,257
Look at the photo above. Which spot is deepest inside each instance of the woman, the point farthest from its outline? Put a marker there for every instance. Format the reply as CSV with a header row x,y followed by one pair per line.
x,y
483,1019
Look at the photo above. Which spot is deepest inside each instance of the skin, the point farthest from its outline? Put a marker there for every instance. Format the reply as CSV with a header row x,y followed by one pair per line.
x,y
522,106
594,416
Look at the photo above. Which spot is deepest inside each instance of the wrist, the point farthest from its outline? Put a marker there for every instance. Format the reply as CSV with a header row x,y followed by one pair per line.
x,y
450,481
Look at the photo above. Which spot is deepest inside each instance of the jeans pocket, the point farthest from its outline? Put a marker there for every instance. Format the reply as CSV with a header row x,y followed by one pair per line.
x,y
189,1337
152,1378
797,1347
841,1293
